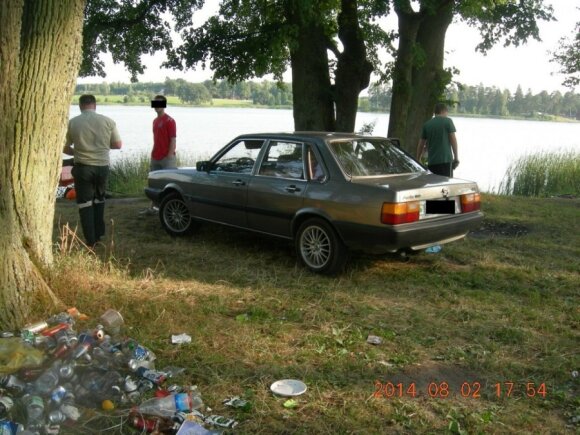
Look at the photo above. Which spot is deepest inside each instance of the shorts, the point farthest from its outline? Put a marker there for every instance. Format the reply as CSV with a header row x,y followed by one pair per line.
x,y
169,162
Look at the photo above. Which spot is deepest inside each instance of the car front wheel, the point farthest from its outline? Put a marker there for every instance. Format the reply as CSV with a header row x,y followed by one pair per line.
x,y
175,216
319,247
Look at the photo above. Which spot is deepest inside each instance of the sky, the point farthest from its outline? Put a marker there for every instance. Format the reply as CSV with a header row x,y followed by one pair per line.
x,y
503,67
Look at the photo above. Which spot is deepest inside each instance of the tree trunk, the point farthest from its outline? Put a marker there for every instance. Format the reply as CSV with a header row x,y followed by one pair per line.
x,y
419,79
402,74
353,72
40,48
429,79
311,91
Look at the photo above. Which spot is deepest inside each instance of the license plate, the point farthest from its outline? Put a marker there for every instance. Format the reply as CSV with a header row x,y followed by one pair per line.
x,y
428,208
440,207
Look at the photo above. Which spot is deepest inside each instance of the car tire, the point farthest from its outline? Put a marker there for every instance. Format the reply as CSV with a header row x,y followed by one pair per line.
x,y
175,215
320,248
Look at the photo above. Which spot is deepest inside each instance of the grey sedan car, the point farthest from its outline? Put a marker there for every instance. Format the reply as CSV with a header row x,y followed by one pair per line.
x,y
330,193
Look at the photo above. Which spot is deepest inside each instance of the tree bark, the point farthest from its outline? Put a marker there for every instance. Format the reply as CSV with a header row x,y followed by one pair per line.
x,y
40,48
419,79
313,105
353,71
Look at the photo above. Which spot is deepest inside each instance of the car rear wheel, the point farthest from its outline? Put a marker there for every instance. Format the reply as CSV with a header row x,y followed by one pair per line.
x,y
175,216
320,248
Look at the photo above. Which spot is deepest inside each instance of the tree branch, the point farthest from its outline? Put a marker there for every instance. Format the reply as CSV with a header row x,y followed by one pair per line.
x,y
331,45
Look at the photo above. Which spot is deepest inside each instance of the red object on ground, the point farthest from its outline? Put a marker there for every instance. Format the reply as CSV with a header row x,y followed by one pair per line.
x,y
71,194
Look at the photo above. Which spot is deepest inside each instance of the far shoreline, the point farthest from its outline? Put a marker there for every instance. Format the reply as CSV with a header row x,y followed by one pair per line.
x,y
218,103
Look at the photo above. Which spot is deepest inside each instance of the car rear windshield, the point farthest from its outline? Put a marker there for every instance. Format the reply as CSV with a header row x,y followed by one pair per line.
x,y
372,157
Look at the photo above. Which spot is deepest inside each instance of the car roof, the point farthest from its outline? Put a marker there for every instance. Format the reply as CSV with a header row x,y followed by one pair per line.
x,y
324,135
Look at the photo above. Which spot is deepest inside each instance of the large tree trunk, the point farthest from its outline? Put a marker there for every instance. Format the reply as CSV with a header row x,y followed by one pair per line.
x,y
353,71
40,48
419,81
311,91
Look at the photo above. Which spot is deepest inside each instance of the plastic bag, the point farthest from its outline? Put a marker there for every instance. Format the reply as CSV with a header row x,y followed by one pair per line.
x,y
14,355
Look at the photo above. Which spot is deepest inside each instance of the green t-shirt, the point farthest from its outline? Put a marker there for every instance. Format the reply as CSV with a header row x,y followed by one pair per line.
x,y
436,131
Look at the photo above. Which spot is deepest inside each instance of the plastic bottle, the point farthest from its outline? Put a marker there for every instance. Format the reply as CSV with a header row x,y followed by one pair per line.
x,y
12,383
157,377
152,424
6,404
34,411
166,406
48,380
84,345
433,249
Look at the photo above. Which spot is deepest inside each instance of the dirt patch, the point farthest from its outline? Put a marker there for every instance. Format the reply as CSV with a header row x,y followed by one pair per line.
x,y
490,229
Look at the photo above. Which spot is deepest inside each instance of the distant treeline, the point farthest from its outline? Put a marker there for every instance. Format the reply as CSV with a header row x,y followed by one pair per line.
x,y
462,99
490,101
265,93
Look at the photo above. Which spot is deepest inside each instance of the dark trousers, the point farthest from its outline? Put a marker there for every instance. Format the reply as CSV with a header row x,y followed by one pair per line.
x,y
444,169
90,186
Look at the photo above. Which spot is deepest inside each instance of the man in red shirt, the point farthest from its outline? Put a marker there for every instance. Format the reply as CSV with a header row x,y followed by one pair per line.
x,y
164,133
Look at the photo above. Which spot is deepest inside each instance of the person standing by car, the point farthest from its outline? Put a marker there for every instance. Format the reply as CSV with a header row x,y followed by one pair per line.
x,y
164,137
89,138
164,142
438,136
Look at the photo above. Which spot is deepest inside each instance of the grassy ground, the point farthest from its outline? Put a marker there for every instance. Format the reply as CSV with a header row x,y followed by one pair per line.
x,y
491,309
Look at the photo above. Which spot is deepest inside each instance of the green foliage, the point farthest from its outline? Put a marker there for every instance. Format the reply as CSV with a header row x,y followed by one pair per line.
x,y
568,56
490,101
513,21
543,174
246,39
128,29
266,93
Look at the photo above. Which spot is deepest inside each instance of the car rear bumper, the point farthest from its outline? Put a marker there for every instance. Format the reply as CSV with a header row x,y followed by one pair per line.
x,y
414,236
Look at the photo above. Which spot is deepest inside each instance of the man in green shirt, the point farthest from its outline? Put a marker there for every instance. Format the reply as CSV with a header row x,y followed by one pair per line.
x,y
89,138
438,136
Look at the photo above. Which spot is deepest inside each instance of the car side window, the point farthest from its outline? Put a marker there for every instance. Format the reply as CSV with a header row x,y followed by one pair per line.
x,y
313,166
240,158
283,160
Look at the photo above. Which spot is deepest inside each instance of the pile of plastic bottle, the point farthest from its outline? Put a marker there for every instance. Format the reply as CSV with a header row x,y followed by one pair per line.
x,y
51,376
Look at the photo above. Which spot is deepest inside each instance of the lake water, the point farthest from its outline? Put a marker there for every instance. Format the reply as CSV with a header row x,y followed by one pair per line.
x,y
486,146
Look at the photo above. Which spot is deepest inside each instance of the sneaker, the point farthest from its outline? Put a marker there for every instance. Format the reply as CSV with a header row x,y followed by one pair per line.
x,y
151,211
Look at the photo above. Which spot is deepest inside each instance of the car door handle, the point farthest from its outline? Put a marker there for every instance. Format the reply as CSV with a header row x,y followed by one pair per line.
x,y
238,183
292,188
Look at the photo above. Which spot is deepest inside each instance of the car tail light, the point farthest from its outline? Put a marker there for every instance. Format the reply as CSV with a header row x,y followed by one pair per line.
x,y
470,202
394,213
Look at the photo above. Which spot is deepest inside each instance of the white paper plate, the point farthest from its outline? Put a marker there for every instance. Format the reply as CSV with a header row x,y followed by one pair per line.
x,y
288,387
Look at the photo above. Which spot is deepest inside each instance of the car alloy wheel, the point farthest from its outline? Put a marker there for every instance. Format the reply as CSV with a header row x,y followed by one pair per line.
x,y
315,247
175,215
320,248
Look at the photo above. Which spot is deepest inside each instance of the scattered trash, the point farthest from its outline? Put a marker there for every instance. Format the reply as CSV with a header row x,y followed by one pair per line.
x,y
433,249
51,374
236,402
220,421
180,339
193,428
288,387
112,321
290,403
575,373
375,340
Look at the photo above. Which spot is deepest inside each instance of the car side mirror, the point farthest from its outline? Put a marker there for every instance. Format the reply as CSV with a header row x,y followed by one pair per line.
x,y
396,141
203,166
